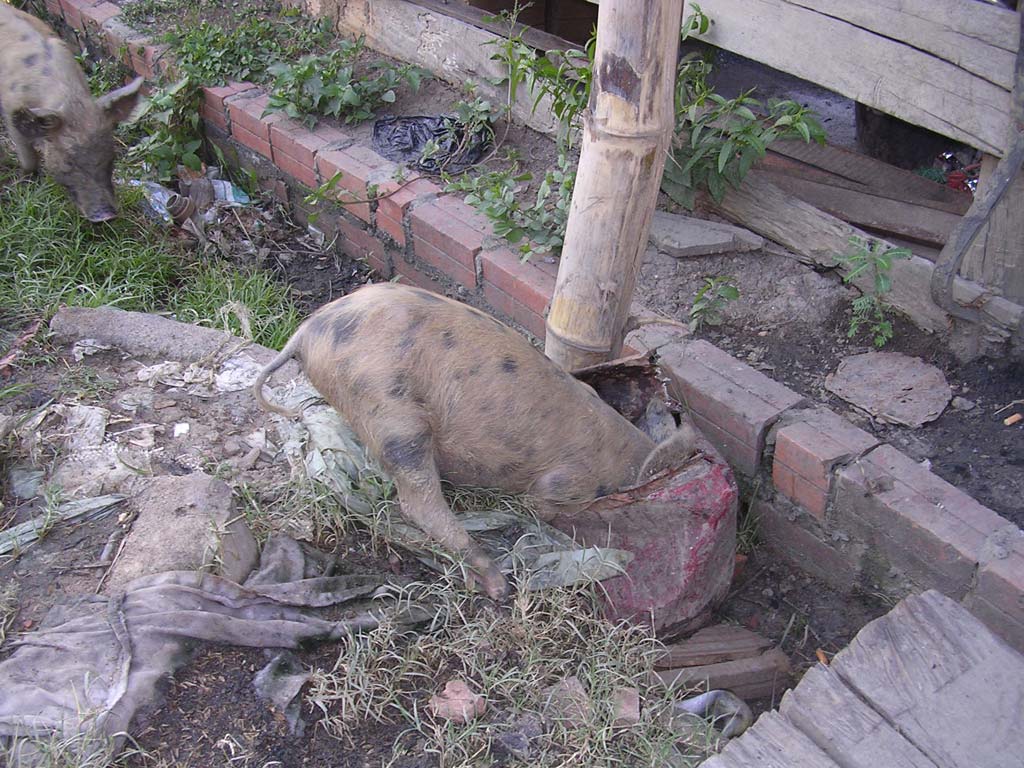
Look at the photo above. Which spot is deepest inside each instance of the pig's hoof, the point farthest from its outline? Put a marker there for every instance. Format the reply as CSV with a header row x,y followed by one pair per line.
x,y
489,581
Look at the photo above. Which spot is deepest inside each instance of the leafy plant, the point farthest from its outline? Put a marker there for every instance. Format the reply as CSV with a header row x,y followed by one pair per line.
x,y
329,85
875,258
711,299
172,131
538,228
516,56
211,55
565,76
717,140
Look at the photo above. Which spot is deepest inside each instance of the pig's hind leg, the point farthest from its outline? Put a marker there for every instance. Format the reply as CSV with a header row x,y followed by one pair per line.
x,y
409,456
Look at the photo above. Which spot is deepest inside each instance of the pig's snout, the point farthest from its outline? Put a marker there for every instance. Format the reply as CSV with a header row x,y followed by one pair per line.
x,y
100,215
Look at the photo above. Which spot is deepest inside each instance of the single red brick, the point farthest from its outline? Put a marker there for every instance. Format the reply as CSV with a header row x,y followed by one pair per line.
x,y
1000,578
399,195
331,135
247,112
922,525
443,263
414,276
359,242
739,401
72,10
542,263
298,171
523,281
449,235
466,213
95,16
350,189
215,96
514,311
297,141
251,140
369,167
214,117
782,479
393,228
810,447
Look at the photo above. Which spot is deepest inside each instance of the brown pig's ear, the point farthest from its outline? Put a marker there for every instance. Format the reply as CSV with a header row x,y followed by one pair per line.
x,y
118,105
36,123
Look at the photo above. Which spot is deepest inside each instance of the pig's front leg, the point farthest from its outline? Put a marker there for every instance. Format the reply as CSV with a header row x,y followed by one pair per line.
x,y
410,459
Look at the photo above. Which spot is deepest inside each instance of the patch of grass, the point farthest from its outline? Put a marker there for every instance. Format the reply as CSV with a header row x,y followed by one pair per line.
x,y
248,303
8,607
510,656
84,383
212,54
50,256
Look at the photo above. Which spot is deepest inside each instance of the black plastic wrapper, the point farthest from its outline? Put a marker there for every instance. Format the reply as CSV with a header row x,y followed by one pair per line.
x,y
403,139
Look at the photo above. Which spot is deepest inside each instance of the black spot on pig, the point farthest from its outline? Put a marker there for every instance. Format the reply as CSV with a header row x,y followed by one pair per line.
x,y
399,386
405,452
30,60
47,71
407,342
509,364
602,490
25,37
448,340
344,328
358,386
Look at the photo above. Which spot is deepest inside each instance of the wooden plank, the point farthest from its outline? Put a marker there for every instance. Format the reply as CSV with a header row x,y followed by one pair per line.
x,y
874,175
873,212
846,728
943,680
478,13
871,68
758,677
979,38
721,642
772,742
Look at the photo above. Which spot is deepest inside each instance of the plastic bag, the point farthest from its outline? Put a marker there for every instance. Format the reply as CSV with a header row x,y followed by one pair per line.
x,y
405,139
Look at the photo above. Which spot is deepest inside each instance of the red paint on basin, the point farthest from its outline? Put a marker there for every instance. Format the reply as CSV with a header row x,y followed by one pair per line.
x,y
681,527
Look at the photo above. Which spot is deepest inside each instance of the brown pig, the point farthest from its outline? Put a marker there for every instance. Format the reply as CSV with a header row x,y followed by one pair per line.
x,y
437,389
49,111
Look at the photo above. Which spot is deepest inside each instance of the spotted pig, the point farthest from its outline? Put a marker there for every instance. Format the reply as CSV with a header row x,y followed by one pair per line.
x,y
437,389
49,111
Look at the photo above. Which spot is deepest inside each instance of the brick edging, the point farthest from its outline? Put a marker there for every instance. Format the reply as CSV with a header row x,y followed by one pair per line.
x,y
831,497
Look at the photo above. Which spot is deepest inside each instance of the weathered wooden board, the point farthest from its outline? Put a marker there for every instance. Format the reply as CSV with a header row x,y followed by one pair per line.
x,y
846,728
943,680
833,48
874,175
772,742
871,211
756,677
721,642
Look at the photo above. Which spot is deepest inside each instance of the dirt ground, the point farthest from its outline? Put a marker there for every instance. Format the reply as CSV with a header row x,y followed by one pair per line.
x,y
791,323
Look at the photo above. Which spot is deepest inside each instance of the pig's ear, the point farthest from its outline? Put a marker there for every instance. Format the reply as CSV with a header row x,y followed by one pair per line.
x,y
36,123
118,105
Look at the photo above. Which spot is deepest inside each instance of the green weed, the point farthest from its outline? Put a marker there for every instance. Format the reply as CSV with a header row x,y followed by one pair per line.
x,y
874,258
711,299
536,228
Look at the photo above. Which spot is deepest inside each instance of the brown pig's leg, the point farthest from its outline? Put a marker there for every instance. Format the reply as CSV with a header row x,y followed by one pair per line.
x,y
409,457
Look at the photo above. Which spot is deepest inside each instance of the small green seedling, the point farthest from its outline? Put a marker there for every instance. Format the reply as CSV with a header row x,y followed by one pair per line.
x,y
711,299
875,259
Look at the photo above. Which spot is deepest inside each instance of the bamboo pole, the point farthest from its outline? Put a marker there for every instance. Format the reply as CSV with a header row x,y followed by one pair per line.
x,y
626,135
